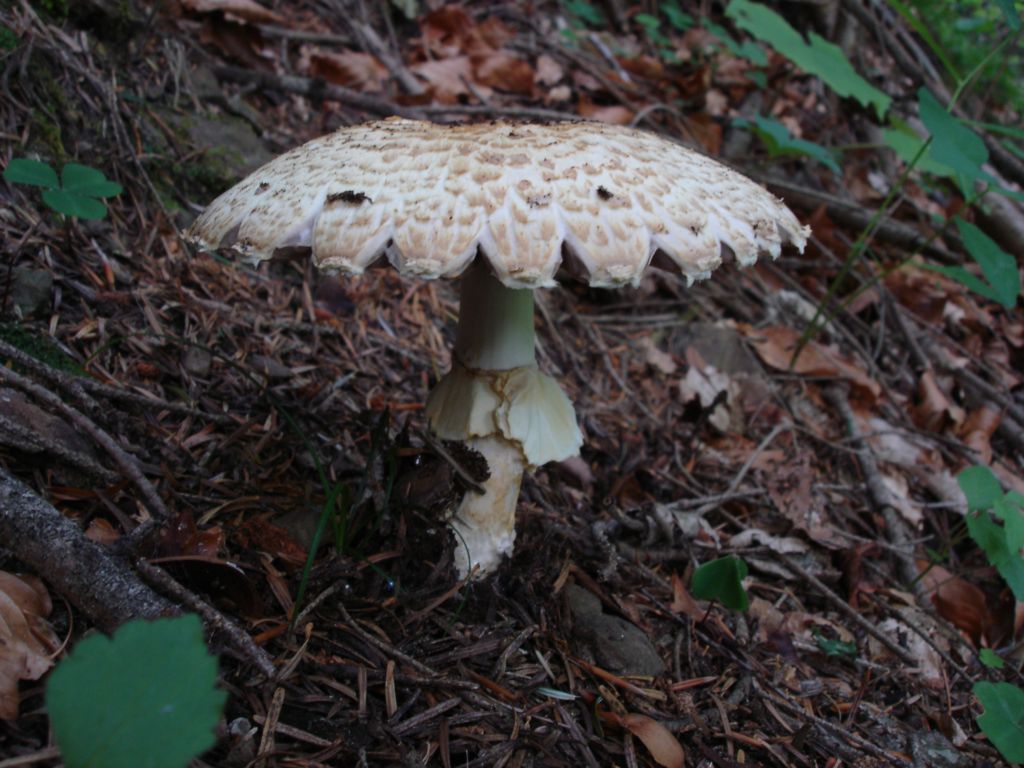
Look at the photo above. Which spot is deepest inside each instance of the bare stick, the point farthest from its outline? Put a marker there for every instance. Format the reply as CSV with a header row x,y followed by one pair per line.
x,y
101,586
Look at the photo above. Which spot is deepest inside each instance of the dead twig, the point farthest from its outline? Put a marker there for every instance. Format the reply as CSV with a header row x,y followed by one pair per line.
x,y
214,619
100,585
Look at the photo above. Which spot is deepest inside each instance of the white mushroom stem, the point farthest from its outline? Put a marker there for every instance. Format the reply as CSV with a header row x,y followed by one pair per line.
x,y
496,401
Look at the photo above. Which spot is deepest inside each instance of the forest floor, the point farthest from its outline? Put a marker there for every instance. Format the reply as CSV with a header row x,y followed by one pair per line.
x,y
195,416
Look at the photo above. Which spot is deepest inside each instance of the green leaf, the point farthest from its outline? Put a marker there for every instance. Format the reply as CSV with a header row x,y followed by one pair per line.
x,y
953,143
1010,14
586,11
8,40
1003,720
408,8
1008,509
991,659
71,204
145,697
749,50
677,17
926,35
84,180
964,277
833,647
817,57
998,267
780,141
904,140
722,580
981,487
22,170
647,21
992,539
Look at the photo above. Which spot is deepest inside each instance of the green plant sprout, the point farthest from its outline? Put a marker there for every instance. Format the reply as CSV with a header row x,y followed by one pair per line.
x,y
77,193
1003,720
722,580
814,55
145,696
1002,544
780,142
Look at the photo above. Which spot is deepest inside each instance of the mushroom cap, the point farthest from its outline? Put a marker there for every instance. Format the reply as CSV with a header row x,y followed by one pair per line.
x,y
429,196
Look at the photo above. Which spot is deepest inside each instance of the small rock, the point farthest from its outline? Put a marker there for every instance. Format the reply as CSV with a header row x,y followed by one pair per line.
x,y
197,362
931,749
30,290
613,643
270,367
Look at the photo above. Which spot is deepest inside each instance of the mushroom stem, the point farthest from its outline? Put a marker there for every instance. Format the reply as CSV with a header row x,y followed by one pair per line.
x,y
497,402
495,323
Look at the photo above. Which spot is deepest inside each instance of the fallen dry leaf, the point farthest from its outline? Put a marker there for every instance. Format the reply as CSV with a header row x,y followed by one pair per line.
x,y
775,346
240,10
656,358
448,78
351,69
929,661
958,601
549,72
615,114
659,740
26,641
683,602
504,72
934,411
978,428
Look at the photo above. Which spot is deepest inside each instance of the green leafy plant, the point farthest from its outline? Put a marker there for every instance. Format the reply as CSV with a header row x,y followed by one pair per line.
x,y
144,697
676,16
991,659
748,49
8,40
652,29
1001,544
77,193
1003,720
780,142
586,12
722,580
1002,279
814,55
833,647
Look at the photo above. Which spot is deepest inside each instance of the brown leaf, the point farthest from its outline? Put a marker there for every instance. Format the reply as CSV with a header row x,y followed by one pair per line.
x,y
504,72
615,114
450,31
26,641
260,533
775,346
549,72
683,602
656,358
241,10
351,69
448,78
659,740
956,600
978,428
934,410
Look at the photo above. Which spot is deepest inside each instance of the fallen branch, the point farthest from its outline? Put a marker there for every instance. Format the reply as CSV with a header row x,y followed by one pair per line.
x,y
101,586
880,496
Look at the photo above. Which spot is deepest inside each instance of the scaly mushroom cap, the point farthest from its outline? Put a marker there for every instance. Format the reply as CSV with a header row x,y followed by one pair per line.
x,y
428,196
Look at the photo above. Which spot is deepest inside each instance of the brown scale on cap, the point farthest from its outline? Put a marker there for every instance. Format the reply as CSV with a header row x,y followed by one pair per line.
x,y
437,193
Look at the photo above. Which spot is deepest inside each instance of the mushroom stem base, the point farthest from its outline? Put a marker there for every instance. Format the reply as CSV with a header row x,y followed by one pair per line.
x,y
484,523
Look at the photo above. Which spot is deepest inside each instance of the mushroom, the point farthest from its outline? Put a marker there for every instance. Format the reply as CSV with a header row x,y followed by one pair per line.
x,y
500,205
